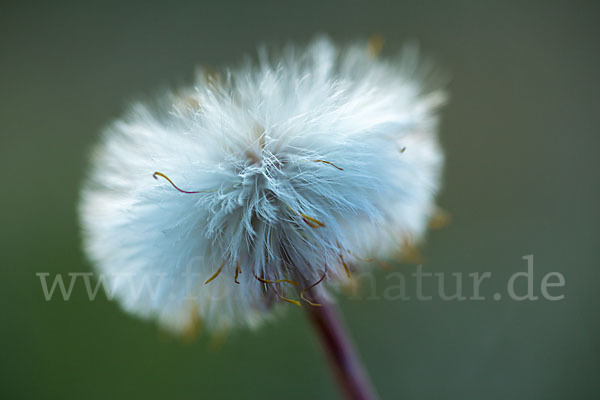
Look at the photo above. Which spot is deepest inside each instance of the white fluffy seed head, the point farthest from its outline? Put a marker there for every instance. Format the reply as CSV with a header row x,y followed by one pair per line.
x,y
304,164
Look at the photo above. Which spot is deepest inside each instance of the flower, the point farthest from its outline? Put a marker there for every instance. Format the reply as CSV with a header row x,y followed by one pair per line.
x,y
263,183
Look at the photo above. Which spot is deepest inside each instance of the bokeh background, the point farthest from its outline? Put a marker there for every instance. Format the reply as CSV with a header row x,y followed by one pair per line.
x,y
521,134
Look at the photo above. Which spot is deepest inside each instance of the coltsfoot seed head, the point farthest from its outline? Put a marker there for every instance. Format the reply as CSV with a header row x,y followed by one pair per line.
x,y
262,183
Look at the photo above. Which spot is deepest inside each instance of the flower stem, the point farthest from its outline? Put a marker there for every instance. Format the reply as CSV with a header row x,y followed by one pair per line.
x,y
341,353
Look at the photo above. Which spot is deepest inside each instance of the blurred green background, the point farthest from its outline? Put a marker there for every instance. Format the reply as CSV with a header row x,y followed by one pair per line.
x,y
522,142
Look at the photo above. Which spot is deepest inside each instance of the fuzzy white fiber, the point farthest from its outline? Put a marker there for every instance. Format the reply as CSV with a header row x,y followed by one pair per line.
x,y
302,162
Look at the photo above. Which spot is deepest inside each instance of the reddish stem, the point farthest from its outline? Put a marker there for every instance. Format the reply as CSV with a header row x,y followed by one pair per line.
x,y
341,353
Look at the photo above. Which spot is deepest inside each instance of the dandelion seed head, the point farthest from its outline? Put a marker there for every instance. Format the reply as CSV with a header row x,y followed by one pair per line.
x,y
301,164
